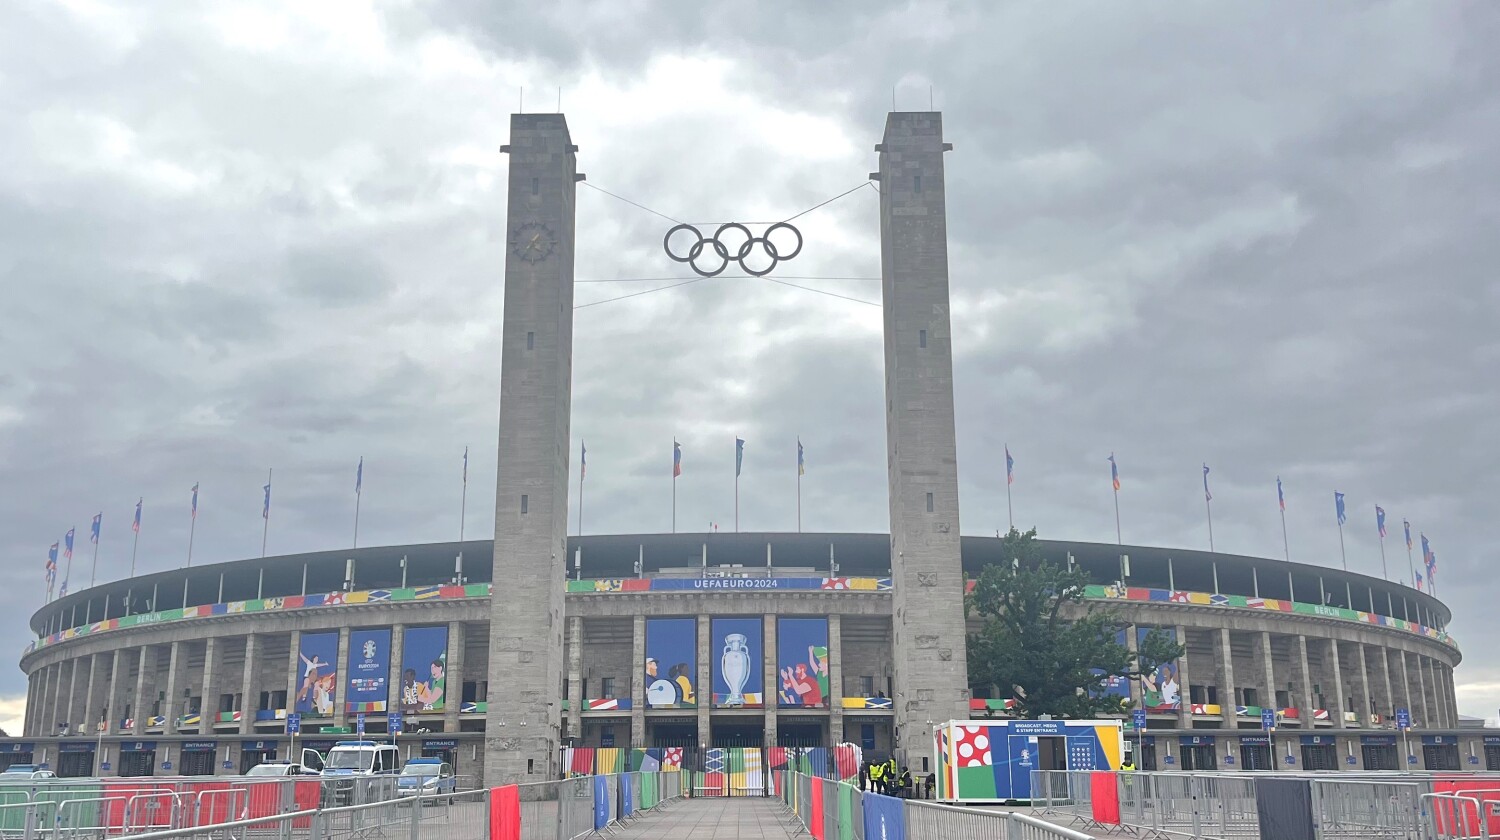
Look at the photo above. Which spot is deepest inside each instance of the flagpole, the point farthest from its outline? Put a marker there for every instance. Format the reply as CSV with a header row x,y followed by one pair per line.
x,y
265,530
1118,539
736,501
675,463
135,543
192,527
357,495
799,485
1009,511
1342,555
1384,573
463,499
94,573
1208,506
581,472
1411,567
1286,549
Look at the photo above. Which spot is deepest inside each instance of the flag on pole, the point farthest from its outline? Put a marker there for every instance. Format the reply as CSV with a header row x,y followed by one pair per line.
x,y
359,475
195,500
1380,520
1338,506
1432,567
62,590
739,455
1280,495
1207,496
94,529
466,466
1010,467
52,563
1407,526
1114,472
265,511
583,460
676,459
1419,581
801,464
68,545
136,525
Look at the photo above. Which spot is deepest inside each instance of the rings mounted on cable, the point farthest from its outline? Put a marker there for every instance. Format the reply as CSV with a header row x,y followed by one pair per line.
x,y
733,242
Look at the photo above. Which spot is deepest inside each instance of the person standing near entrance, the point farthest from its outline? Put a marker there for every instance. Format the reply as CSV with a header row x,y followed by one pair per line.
x,y
877,784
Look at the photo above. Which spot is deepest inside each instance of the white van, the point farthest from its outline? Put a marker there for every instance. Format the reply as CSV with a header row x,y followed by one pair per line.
x,y
356,768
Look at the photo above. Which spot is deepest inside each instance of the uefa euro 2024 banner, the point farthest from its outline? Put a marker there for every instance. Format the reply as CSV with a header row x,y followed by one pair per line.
x,y
1114,685
802,662
736,644
319,653
424,670
369,668
671,663
1161,690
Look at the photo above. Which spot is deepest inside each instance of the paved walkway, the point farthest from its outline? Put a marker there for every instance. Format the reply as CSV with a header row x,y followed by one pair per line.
x,y
757,818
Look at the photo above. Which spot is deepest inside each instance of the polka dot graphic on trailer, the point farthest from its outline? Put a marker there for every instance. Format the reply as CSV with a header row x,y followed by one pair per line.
x,y
972,743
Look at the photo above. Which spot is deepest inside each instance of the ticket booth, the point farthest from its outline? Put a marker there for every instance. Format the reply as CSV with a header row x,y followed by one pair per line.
x,y
16,753
445,749
253,753
137,758
75,759
199,758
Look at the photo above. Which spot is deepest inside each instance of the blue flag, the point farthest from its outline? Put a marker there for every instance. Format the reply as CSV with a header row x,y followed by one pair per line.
x,y
1380,520
801,464
1338,506
195,500
359,475
94,529
601,802
136,525
1280,496
1114,472
265,511
1010,466
739,455
1207,496
68,544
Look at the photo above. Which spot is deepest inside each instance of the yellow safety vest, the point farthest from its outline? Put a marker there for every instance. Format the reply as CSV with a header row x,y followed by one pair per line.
x,y
876,770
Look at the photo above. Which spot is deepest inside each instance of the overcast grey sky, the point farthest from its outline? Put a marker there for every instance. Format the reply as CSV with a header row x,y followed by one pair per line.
x,y
1263,236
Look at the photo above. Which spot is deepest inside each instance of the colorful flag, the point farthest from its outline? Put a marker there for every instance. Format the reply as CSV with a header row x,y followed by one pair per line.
x,y
801,464
1432,567
676,459
1338,506
1407,526
1010,467
265,511
94,529
1380,520
739,455
62,591
1114,472
52,563
359,475
1426,551
136,525
1207,496
1280,496
68,544
1419,581
583,460
195,500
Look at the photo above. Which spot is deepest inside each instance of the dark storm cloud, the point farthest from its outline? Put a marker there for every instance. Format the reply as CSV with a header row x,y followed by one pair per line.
x,y
1259,236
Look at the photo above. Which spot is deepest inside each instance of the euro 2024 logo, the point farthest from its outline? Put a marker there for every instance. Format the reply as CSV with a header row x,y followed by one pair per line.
x,y
369,650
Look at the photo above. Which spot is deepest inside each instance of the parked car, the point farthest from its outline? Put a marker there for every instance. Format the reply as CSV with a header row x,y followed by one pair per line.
x,y
355,768
29,772
426,777
280,768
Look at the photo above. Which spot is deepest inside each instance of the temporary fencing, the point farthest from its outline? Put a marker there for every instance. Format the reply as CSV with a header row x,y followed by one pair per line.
x,y
580,806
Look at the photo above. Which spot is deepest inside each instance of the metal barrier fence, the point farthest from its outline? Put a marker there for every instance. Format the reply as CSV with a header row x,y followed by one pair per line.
x,y
831,810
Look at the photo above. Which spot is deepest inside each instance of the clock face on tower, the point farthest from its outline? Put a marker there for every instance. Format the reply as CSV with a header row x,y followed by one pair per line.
x,y
532,242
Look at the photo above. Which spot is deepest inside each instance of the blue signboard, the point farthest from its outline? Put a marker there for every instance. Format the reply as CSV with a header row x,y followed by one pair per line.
x,y
1264,740
1268,719
442,744
671,663
1403,718
76,746
138,746
885,817
1138,717
17,747
258,746
424,670
1378,740
601,802
199,746
736,645
395,723
802,662
359,723
319,653
293,723
369,669
1440,740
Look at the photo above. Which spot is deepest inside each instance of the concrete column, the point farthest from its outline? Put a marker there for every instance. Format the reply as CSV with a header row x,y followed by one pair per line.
x,y
91,703
172,705
1269,700
1185,713
340,687
1429,715
44,702
139,709
638,683
575,676
1340,696
28,722
1132,644
1364,686
70,709
1225,676
1440,708
394,682
1390,695
922,461
249,688
526,656
1303,674
770,678
835,679
208,708
294,672
1406,685
705,678
112,705
454,674
1451,694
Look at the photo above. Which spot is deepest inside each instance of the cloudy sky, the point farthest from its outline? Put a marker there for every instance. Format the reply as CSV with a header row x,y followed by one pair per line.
x,y
235,237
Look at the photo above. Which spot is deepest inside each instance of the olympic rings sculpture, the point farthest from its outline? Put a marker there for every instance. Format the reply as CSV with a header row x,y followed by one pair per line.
x,y
757,256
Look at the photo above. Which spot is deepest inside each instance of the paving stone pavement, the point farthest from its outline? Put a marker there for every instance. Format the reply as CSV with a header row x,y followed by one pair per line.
x,y
757,818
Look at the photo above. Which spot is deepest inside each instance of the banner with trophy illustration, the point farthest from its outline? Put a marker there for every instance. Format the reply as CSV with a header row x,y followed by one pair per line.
x,y
737,647
671,663
802,662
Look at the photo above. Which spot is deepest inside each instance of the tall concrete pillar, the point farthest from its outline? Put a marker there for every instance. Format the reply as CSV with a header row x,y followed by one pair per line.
x,y
1225,676
249,687
1302,674
1334,670
91,702
1429,715
171,706
208,707
769,676
638,683
1406,686
44,701
1268,678
294,672
139,708
835,679
705,679
28,722
1132,644
457,667
341,685
575,676
113,699
531,493
70,706
1389,710
397,681
1184,677
931,677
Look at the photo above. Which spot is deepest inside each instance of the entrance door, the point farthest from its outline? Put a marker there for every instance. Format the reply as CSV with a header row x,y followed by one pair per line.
x,y
1255,757
448,755
1440,756
134,763
1319,757
75,765
198,763
1380,757
1491,756
7,759
1199,757
1051,752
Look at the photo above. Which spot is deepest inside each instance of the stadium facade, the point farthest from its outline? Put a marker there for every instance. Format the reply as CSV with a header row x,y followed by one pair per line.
x,y
196,670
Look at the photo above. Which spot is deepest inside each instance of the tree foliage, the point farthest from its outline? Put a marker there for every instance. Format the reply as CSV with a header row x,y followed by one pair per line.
x,y
1047,647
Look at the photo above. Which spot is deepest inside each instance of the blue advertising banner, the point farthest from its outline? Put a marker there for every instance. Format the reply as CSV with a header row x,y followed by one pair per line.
x,y
424,669
802,662
1114,685
627,797
885,817
319,653
1161,691
601,802
671,663
369,668
737,647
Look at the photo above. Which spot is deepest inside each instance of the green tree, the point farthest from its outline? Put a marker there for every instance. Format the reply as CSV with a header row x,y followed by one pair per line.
x,y
1045,645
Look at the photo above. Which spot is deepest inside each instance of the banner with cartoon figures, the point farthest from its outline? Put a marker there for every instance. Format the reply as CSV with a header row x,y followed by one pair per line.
x,y
1161,691
318,652
1114,685
424,670
369,668
802,662
671,663
737,647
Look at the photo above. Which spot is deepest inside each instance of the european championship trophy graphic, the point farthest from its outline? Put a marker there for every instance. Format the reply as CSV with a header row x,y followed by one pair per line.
x,y
735,665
